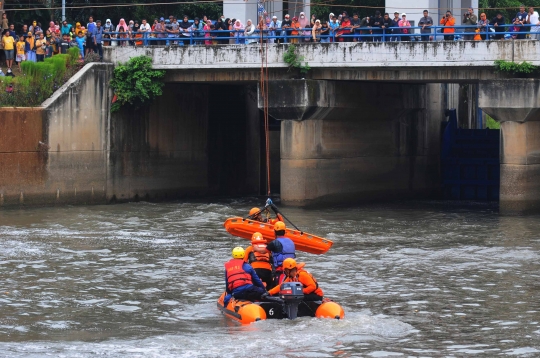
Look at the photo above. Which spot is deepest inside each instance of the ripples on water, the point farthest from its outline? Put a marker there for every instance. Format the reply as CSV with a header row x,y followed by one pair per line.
x,y
416,279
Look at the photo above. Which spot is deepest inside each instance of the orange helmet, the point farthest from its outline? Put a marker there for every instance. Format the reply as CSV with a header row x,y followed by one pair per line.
x,y
257,238
279,226
253,211
289,264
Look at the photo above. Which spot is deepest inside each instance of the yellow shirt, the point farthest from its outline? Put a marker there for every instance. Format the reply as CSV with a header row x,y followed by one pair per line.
x,y
39,50
20,47
8,42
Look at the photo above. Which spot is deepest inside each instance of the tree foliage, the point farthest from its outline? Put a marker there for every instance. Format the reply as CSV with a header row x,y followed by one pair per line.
x,y
522,69
366,7
294,61
136,83
112,11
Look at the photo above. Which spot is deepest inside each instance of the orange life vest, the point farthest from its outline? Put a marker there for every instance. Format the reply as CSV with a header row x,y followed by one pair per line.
x,y
258,260
138,36
236,276
283,278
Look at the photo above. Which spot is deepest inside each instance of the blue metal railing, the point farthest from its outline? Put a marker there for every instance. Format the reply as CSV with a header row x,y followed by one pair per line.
x,y
362,34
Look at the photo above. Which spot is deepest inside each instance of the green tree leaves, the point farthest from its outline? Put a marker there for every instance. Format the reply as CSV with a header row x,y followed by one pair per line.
x,y
135,83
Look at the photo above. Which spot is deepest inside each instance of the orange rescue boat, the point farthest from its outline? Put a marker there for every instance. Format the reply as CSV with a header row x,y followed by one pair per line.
x,y
303,241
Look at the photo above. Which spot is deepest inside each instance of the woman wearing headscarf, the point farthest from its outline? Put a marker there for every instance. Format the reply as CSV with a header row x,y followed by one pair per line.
x,y
249,33
52,27
222,27
238,31
124,29
230,23
109,27
196,29
304,24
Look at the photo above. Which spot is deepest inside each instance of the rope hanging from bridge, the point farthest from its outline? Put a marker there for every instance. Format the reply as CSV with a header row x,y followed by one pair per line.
x,y
264,91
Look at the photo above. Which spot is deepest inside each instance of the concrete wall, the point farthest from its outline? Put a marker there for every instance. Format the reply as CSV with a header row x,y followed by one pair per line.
x,y
160,152
338,55
516,104
23,171
69,166
357,144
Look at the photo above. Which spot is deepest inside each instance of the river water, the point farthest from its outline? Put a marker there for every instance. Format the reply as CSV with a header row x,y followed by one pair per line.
x,y
142,280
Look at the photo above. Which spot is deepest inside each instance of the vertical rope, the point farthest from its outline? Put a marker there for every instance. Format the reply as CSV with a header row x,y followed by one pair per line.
x,y
264,95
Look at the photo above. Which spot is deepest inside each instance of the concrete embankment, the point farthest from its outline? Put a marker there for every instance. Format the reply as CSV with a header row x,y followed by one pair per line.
x,y
56,153
191,141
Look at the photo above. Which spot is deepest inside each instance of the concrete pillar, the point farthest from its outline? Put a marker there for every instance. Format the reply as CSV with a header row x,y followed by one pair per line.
x,y
516,104
344,142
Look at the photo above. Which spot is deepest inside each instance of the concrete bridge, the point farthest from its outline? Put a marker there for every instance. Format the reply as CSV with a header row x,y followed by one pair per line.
x,y
364,125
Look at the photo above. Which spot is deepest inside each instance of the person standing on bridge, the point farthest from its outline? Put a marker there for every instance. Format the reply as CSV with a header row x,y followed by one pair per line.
x,y
405,26
520,20
448,21
426,22
469,19
533,20
498,23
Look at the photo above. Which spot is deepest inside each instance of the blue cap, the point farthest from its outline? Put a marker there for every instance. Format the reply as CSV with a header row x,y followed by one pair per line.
x,y
161,19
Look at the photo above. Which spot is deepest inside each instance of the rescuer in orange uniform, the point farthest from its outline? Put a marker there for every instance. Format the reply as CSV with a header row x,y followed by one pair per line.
x,y
241,281
256,214
293,272
260,259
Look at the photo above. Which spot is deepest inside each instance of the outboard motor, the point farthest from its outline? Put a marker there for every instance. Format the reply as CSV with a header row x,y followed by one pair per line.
x,y
292,294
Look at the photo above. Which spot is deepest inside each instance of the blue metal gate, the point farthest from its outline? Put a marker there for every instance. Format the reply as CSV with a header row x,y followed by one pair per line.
x,y
470,162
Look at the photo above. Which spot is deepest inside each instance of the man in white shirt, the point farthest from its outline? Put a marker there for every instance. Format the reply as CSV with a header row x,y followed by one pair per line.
x,y
533,19
145,29
274,25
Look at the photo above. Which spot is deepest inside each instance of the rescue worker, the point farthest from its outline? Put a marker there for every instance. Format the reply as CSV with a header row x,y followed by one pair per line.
x,y
282,248
241,281
294,272
260,259
256,214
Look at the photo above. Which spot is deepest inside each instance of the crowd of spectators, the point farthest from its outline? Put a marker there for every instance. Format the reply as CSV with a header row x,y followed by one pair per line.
x,y
34,42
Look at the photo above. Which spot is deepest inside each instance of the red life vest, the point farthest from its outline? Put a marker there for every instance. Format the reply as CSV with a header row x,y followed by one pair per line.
x,y
236,276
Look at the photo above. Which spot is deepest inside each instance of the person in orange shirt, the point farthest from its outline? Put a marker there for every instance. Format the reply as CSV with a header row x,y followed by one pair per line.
x,y
256,214
293,272
448,21
295,26
260,259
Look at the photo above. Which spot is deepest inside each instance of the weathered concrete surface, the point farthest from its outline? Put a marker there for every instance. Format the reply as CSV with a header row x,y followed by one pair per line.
x,y
516,105
511,99
356,148
160,153
337,55
77,130
70,164
23,173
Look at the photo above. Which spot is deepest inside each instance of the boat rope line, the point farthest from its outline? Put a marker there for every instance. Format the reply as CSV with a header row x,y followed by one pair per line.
x,y
264,95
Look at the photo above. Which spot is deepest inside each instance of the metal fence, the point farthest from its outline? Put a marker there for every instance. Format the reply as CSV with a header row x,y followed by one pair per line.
x,y
362,34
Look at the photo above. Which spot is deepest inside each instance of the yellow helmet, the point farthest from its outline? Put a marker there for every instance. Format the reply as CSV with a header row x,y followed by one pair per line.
x,y
279,226
253,211
257,238
238,253
289,264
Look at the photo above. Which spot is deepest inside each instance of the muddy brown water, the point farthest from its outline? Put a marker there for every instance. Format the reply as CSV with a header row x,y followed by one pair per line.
x,y
416,279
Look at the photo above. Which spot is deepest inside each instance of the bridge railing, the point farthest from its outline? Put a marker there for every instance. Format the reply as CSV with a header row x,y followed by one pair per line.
x,y
361,34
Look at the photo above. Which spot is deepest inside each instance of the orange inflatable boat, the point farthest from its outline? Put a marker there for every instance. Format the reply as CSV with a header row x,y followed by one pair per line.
x,y
289,305
303,241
